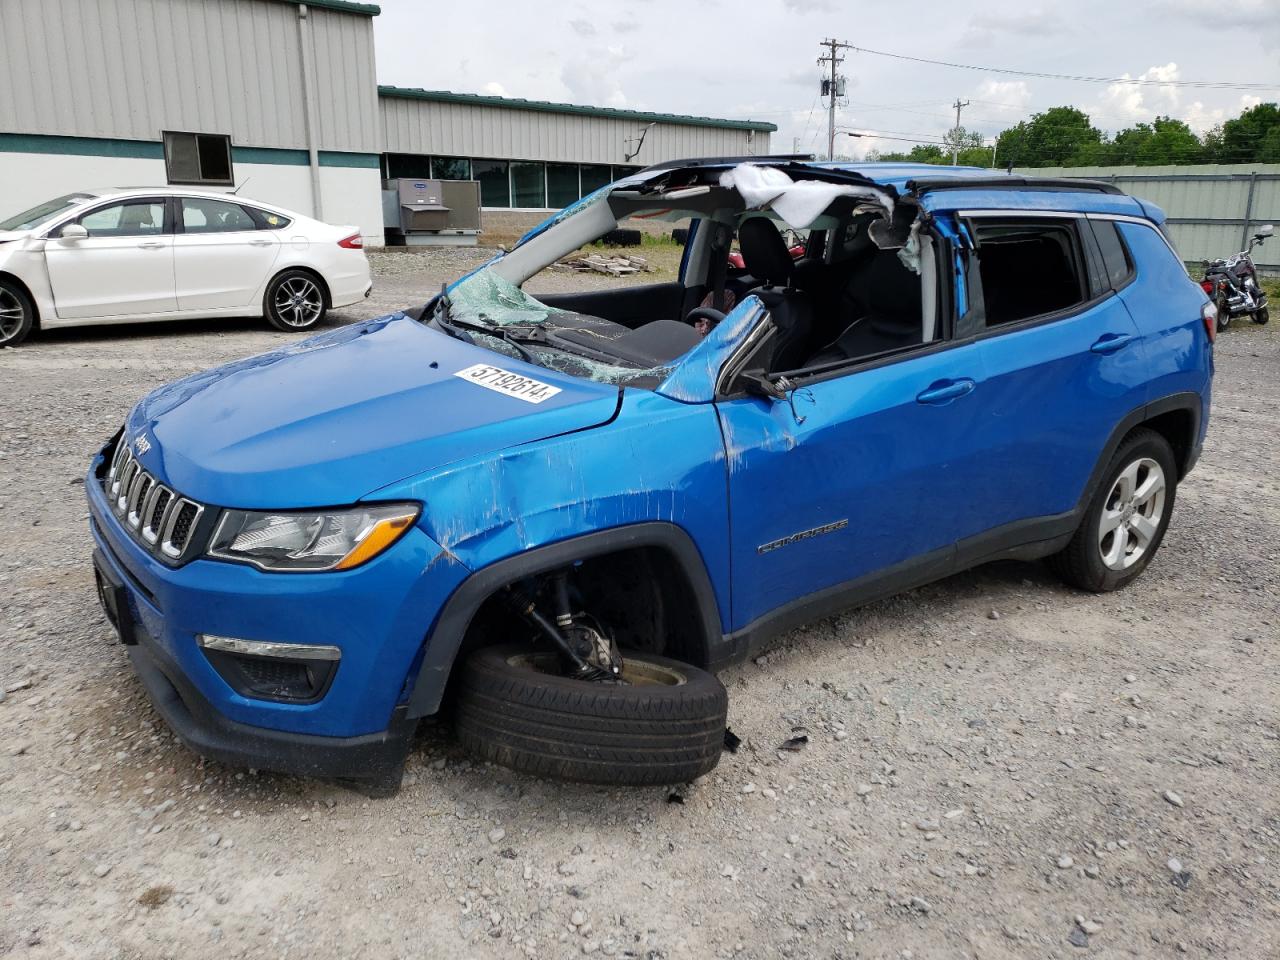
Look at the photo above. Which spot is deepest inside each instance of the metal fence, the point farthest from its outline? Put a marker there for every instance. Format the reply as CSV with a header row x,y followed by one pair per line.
x,y
1213,209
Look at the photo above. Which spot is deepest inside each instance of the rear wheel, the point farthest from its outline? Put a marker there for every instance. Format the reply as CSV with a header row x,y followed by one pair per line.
x,y
1224,315
1126,519
295,300
17,314
1262,315
664,725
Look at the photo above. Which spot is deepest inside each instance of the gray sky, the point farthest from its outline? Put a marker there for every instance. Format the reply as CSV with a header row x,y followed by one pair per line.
x,y
757,58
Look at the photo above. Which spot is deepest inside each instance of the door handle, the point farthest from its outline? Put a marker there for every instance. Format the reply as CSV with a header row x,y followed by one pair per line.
x,y
1111,342
944,391
151,244
260,243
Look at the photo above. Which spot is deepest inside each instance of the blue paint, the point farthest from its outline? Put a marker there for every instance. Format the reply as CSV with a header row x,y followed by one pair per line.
x,y
890,462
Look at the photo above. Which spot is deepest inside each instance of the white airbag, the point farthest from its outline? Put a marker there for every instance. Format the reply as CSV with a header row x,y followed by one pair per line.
x,y
797,202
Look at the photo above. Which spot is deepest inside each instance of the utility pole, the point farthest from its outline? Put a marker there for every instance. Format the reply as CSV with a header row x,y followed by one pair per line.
x,y
833,86
955,134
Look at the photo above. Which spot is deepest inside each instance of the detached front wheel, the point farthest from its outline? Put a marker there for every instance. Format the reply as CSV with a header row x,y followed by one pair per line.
x,y
664,725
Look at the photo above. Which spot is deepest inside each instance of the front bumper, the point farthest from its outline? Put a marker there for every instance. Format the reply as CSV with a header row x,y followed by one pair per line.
x,y
198,724
377,615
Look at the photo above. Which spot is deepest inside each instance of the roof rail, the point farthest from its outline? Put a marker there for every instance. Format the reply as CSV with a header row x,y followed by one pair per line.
x,y
1059,184
725,161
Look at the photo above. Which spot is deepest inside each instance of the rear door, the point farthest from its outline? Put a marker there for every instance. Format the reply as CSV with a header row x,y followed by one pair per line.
x,y
222,254
123,267
1064,360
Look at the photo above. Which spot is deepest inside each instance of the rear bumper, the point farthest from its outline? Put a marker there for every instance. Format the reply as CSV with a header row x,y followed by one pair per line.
x,y
375,756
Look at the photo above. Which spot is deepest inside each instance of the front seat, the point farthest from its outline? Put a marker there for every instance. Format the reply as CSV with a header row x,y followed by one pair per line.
x,y
885,300
765,256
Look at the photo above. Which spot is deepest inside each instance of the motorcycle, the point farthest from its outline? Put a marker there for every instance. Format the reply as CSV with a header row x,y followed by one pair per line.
x,y
1232,284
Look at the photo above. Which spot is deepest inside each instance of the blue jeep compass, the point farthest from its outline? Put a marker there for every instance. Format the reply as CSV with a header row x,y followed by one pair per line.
x,y
553,519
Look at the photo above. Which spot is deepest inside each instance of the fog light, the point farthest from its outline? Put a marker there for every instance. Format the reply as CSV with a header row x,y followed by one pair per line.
x,y
288,672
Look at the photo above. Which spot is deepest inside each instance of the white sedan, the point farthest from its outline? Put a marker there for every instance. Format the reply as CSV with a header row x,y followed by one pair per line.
x,y
163,253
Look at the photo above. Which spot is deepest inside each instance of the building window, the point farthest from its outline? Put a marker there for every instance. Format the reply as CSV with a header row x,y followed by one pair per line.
x,y
198,158
408,166
450,168
594,176
495,185
562,184
528,184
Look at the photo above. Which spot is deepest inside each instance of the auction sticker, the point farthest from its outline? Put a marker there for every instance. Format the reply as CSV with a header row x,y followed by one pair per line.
x,y
512,384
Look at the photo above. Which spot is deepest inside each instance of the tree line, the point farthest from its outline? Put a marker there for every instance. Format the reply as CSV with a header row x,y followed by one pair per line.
x,y
1066,137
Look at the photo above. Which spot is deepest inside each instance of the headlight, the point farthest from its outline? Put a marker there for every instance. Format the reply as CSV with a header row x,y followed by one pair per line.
x,y
311,542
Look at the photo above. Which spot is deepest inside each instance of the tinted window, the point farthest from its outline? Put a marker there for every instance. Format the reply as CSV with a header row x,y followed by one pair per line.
x,y
1114,255
450,168
1029,269
495,188
266,220
528,185
562,184
200,215
135,218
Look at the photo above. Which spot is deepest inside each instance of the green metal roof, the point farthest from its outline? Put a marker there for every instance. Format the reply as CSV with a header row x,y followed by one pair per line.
x,y
515,103
345,6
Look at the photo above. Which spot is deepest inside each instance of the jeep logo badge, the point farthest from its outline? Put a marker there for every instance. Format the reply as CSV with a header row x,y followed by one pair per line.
x,y
141,444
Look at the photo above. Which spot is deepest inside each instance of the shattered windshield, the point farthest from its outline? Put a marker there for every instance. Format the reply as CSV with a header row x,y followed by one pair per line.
x,y
563,340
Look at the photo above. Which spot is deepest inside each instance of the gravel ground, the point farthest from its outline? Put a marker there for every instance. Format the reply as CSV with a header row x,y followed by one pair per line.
x,y
996,766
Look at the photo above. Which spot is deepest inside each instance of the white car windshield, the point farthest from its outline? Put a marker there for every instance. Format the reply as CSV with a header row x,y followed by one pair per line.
x,y
29,219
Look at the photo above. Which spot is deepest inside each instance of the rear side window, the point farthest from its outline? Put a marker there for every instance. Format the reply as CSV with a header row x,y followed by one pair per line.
x,y
1115,258
201,215
267,220
1029,269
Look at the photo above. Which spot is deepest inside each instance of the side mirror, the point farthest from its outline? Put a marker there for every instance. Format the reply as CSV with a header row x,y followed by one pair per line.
x,y
758,384
72,231
1264,232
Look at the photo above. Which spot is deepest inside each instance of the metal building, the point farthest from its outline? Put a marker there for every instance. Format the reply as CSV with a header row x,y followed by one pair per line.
x,y
275,96
534,154
279,99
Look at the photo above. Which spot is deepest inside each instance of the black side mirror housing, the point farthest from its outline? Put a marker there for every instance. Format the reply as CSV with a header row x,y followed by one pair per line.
x,y
757,383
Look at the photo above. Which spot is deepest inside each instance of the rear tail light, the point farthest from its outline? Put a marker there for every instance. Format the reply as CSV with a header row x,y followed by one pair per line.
x,y
1209,314
353,242
1208,287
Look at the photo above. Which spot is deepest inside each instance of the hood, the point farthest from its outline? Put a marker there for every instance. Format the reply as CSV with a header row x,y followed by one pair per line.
x,y
328,420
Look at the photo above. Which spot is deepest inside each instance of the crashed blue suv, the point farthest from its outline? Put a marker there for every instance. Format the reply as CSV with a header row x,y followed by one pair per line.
x,y
551,520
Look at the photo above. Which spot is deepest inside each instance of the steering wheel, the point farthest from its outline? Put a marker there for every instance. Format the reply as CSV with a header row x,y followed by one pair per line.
x,y
711,315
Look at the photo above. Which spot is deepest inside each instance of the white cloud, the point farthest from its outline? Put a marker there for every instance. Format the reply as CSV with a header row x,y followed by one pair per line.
x,y
986,27
594,80
809,6
495,89
583,28
1123,103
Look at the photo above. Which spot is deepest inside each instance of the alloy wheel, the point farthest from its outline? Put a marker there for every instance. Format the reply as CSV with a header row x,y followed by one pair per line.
x,y
298,302
12,315
1132,514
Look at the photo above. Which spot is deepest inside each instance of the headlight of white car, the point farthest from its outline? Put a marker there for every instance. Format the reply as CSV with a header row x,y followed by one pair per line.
x,y
307,542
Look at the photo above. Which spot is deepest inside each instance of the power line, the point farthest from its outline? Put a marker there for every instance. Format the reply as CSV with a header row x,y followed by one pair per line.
x,y
1199,84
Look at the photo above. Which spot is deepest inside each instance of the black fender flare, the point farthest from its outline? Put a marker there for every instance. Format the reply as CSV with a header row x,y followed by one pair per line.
x,y
445,639
1188,402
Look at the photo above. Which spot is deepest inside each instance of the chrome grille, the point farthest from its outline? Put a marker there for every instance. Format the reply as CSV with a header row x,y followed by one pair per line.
x,y
160,518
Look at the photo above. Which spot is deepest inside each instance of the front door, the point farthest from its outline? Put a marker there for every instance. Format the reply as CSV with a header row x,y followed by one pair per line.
x,y
865,483
123,267
221,258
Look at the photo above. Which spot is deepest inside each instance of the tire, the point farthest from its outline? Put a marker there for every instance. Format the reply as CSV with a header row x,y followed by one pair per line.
x,y
295,300
1224,316
1095,562
622,238
17,314
553,726
1262,315
680,235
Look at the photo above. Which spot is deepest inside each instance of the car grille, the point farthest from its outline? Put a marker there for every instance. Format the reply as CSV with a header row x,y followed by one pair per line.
x,y
160,519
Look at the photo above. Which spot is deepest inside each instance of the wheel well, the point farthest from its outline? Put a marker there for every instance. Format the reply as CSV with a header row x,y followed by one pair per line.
x,y
640,593
314,274
35,307
1178,427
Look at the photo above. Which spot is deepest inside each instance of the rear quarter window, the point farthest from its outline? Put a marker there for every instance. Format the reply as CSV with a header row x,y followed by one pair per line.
x,y
1115,257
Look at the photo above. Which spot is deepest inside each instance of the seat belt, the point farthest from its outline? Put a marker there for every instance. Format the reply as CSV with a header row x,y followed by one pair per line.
x,y
719,270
